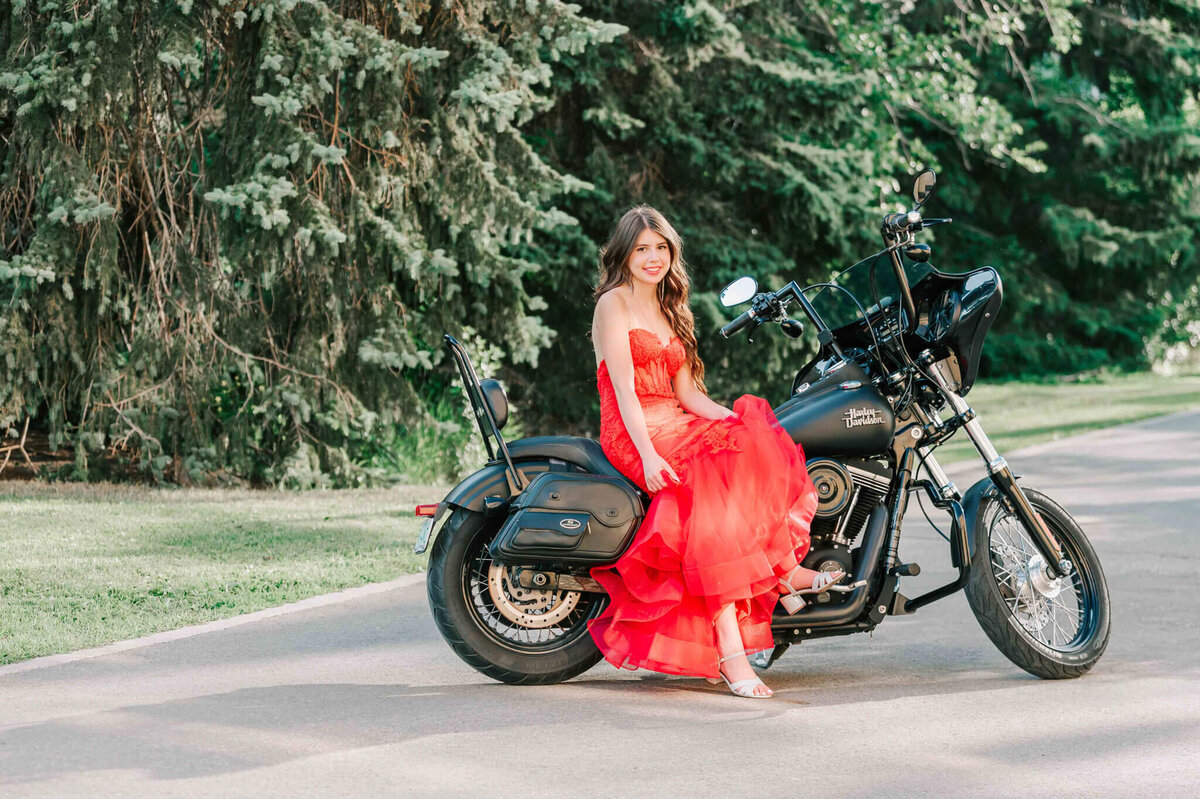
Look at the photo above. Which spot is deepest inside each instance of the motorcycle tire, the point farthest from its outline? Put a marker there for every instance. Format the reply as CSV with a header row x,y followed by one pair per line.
x,y
486,619
1020,610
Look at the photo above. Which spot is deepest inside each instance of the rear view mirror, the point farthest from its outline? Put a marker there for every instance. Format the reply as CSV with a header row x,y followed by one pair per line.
x,y
738,291
923,187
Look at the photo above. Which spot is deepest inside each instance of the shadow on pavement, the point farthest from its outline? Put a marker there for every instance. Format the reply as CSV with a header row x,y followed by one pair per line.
x,y
255,727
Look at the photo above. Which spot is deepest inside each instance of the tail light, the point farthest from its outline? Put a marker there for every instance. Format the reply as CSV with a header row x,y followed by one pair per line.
x,y
430,513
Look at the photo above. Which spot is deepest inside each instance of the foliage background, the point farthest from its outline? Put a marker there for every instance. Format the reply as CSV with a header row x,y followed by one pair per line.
x,y
234,232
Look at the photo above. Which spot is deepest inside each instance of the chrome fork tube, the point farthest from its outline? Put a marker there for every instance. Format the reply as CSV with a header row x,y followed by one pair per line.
x,y
945,485
995,462
1004,480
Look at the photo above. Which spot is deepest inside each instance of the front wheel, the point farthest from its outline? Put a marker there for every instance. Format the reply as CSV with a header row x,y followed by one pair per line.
x,y
512,634
1053,629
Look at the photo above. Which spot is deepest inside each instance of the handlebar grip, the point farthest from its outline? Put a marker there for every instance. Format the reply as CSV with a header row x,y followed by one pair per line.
x,y
903,221
737,324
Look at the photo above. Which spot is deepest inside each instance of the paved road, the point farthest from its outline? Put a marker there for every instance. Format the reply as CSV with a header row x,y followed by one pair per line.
x,y
363,697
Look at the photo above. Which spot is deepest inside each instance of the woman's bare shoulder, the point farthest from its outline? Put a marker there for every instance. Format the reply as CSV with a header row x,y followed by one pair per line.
x,y
611,318
611,307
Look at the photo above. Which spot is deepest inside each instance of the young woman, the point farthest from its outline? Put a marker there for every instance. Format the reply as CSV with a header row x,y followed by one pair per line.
x,y
732,501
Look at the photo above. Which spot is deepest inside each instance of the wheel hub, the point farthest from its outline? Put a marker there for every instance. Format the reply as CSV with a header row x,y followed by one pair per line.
x,y
1034,590
1040,581
1031,609
527,607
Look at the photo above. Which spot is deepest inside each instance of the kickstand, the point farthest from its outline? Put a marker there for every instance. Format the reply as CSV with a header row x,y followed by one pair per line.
x,y
767,657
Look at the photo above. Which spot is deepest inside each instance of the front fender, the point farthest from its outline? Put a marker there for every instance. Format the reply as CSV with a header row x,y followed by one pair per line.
x,y
971,501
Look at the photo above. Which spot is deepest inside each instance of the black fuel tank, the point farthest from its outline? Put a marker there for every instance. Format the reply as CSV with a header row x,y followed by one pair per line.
x,y
849,418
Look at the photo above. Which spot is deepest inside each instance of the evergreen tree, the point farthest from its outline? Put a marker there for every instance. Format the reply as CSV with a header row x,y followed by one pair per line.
x,y
233,234
1099,245
774,134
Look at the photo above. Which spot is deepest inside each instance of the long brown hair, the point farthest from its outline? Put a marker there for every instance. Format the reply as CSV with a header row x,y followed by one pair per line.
x,y
673,290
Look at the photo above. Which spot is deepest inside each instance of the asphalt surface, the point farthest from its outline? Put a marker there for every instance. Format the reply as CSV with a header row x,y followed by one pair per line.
x,y
362,697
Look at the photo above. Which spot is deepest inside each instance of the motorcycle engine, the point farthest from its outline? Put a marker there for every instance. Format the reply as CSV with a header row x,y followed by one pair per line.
x,y
847,492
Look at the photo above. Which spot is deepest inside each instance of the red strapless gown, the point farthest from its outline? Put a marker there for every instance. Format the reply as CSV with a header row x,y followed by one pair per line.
x,y
735,523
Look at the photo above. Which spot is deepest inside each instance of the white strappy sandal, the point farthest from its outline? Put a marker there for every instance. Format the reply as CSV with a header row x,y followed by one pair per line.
x,y
741,687
794,600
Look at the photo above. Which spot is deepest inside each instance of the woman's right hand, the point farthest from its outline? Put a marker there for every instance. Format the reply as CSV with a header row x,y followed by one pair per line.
x,y
658,472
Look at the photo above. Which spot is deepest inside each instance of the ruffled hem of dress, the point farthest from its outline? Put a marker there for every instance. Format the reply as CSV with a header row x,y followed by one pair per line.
x,y
684,567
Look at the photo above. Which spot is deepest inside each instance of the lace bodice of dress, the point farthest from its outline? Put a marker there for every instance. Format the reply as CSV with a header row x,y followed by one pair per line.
x,y
654,364
675,432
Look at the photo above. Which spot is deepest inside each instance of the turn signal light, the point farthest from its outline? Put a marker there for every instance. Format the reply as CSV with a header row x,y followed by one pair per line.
x,y
426,510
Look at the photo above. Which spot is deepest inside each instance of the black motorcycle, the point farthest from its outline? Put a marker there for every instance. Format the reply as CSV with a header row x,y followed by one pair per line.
x,y
508,577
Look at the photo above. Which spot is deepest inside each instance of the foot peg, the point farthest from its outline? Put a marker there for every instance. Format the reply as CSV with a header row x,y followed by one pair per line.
x,y
794,600
792,603
906,569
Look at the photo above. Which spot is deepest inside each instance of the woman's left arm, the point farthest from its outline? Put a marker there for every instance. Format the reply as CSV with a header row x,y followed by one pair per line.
x,y
694,400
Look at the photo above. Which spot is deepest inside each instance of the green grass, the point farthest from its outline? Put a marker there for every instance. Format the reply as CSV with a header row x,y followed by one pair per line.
x,y
86,565
83,565
1017,415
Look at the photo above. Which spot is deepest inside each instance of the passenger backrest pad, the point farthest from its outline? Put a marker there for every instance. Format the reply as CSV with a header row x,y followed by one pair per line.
x,y
494,396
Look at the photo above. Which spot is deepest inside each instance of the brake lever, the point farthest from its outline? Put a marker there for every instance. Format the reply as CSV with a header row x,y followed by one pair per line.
x,y
929,222
757,324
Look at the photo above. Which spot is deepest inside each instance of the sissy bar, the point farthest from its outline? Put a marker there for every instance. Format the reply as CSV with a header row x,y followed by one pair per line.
x,y
485,414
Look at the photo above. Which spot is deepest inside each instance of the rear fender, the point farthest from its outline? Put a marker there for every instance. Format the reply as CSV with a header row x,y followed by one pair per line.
x,y
490,481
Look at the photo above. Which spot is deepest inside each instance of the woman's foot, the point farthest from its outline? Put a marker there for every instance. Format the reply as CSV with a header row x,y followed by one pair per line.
x,y
750,687
801,582
733,665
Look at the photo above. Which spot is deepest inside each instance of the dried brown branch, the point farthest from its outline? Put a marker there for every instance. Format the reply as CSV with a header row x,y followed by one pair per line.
x,y
344,395
18,447
133,426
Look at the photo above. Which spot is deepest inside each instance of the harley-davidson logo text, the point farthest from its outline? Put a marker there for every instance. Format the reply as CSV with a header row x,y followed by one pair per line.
x,y
858,417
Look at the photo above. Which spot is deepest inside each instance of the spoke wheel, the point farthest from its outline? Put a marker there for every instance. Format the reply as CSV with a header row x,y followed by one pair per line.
x,y
524,619
1054,628
509,633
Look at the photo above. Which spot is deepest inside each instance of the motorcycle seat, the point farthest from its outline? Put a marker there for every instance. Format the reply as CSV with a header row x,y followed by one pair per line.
x,y
583,452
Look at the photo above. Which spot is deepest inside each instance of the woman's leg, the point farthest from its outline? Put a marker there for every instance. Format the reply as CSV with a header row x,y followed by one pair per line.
x,y
729,640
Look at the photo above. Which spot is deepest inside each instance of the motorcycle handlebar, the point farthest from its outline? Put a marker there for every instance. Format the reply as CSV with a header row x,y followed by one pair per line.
x,y
737,324
902,221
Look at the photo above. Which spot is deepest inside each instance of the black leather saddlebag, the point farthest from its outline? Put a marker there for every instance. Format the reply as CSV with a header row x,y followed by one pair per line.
x,y
569,518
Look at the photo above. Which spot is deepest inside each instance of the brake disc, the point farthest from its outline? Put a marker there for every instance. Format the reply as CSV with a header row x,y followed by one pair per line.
x,y
528,607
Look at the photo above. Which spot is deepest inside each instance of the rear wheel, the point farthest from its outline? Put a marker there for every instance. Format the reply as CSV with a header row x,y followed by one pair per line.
x,y
512,634
1054,629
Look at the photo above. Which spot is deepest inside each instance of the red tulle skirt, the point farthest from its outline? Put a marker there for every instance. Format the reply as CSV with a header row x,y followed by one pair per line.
x,y
737,522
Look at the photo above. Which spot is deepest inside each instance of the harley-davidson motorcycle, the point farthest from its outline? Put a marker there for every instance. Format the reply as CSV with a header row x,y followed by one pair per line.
x,y
899,349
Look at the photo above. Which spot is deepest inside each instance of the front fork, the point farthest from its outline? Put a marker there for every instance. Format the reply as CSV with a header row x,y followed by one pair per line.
x,y
1003,478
